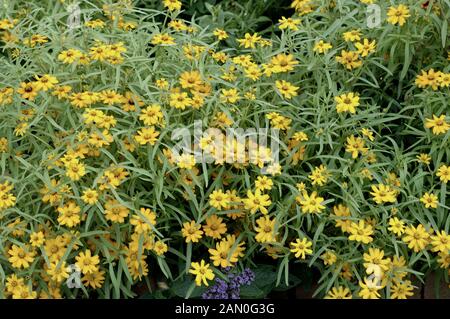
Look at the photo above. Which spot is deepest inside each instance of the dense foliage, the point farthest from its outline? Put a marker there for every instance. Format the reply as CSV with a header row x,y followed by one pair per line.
x,y
91,185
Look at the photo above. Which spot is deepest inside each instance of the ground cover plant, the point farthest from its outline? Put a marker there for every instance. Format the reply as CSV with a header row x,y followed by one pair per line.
x,y
95,202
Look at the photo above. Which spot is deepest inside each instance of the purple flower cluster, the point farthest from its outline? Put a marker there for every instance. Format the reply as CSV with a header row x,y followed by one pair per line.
x,y
229,289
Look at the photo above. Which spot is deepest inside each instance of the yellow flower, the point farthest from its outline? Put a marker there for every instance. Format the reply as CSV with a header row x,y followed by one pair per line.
x,y
383,194
186,161
265,230
37,239
143,221
87,263
218,199
178,25
340,211
441,242
202,272
69,214
230,96
163,39
353,35
322,47
350,59
35,39
45,82
147,135
220,34
329,258
172,5
180,100
396,226
431,78
369,289
310,203
279,121
28,90
75,170
13,283
263,183
226,253
7,24
24,292
115,212
402,289
300,136
191,232
444,260
424,158
373,259
190,79
100,53
437,124
152,115
249,40
160,248
301,248
94,24
257,201
62,91
302,6
368,133
283,63
366,47
398,15
339,292
220,255
111,97
94,279
289,23
20,257
355,145
443,173
361,232
220,56
162,83
429,200
286,89
58,271
90,196
214,227
347,103
416,238
253,72
319,176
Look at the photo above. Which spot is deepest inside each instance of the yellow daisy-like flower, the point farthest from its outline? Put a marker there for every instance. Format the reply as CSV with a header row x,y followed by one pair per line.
x,y
322,47
311,203
398,15
301,248
286,89
383,194
202,272
191,232
265,229
257,201
429,200
417,238
438,125
443,173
